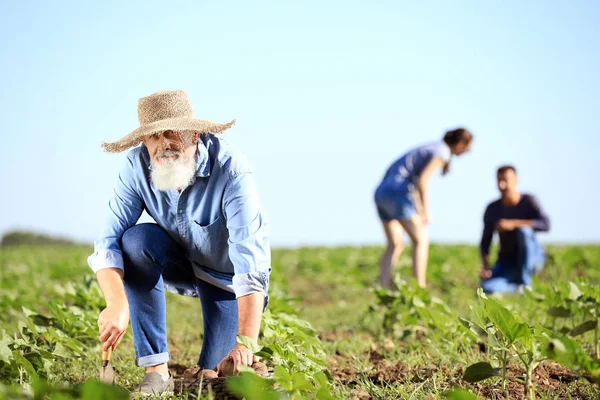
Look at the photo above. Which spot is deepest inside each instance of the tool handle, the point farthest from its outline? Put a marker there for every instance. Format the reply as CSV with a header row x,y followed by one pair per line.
x,y
106,354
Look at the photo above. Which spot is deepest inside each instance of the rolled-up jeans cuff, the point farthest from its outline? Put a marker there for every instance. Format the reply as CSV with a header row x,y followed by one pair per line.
x,y
152,360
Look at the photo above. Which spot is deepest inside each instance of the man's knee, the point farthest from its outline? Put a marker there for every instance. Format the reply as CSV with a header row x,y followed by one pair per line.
x,y
525,233
136,239
487,286
141,267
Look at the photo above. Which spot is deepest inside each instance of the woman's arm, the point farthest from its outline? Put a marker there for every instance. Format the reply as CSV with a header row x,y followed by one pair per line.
x,y
422,189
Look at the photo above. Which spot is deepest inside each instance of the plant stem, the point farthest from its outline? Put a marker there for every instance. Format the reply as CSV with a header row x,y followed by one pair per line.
x,y
529,370
596,343
504,365
504,369
528,387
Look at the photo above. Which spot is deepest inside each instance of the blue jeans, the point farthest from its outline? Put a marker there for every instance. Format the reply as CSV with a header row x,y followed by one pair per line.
x,y
150,256
508,276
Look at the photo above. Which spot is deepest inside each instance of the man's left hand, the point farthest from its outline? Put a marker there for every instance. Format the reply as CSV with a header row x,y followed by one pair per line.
x,y
506,225
240,355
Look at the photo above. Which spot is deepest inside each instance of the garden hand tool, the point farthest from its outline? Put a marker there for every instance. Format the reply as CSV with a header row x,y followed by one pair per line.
x,y
107,372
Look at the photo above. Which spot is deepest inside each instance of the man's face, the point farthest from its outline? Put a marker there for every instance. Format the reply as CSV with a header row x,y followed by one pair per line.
x,y
173,158
507,181
171,145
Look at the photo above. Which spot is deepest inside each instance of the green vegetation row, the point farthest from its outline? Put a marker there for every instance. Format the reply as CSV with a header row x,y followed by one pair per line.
x,y
49,306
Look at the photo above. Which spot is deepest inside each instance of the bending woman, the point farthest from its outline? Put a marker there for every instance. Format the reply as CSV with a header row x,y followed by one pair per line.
x,y
402,200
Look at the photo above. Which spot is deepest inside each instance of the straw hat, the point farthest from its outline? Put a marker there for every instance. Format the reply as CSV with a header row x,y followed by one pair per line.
x,y
162,111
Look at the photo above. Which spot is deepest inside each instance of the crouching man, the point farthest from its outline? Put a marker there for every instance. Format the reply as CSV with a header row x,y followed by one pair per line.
x,y
516,217
210,239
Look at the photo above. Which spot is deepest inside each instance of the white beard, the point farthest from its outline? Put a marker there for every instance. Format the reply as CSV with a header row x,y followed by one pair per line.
x,y
171,174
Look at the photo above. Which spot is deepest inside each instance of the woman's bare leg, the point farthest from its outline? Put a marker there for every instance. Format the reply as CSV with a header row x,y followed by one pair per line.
x,y
417,232
393,233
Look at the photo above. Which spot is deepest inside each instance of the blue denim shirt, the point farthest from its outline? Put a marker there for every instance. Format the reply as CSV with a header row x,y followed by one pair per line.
x,y
217,219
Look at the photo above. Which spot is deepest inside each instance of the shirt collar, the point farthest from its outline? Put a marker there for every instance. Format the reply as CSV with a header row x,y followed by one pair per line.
x,y
203,160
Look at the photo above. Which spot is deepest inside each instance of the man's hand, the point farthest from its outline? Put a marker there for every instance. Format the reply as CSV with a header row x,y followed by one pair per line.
x,y
506,225
240,355
112,324
485,273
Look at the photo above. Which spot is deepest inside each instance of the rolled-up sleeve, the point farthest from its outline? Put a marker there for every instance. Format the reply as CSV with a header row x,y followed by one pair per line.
x,y
125,208
249,246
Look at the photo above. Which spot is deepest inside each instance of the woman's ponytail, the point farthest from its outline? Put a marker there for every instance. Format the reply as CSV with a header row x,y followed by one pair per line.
x,y
452,138
446,168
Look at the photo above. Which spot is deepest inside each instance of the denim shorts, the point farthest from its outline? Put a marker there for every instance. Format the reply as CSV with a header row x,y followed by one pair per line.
x,y
395,206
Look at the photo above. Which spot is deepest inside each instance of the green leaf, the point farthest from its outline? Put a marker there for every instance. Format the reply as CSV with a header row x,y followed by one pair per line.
x,y
569,353
459,394
27,366
473,327
28,313
478,372
584,327
559,312
300,382
94,390
265,354
321,378
283,377
252,387
243,368
62,351
324,394
481,294
5,351
249,343
417,302
506,321
317,360
564,330
574,292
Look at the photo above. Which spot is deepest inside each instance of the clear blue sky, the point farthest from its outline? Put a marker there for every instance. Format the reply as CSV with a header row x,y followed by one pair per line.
x,y
326,95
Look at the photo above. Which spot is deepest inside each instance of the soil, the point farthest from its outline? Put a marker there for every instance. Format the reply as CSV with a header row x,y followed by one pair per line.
x,y
550,379
190,381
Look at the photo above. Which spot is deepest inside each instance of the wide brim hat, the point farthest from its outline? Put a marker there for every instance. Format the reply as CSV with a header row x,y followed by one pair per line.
x,y
163,111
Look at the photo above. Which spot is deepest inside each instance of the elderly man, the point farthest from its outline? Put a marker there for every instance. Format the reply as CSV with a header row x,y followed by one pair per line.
x,y
210,239
516,217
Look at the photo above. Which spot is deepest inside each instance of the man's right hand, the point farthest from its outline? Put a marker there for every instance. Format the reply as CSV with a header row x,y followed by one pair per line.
x,y
486,273
113,320
112,324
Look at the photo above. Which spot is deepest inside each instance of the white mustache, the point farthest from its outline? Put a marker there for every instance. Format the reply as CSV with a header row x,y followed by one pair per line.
x,y
168,153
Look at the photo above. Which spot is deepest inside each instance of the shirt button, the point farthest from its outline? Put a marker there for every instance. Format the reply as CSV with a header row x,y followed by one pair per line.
x,y
180,211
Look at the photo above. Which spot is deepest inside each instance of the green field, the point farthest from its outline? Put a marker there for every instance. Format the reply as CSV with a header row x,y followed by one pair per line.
x,y
366,343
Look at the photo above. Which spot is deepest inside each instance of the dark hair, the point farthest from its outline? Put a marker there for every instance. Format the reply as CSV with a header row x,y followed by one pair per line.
x,y
454,137
505,168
